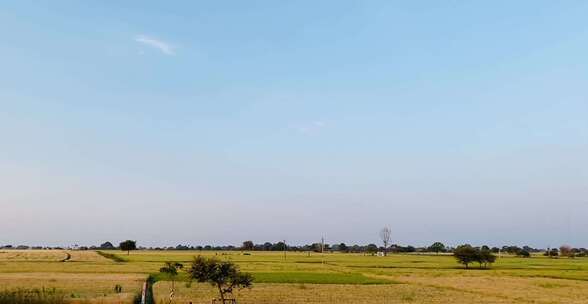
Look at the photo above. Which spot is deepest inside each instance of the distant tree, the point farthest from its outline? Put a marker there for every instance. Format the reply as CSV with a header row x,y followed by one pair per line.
x,y
495,250
128,245
225,276
279,246
553,253
372,248
465,254
485,257
343,247
566,251
524,254
437,247
512,249
385,236
107,246
170,269
248,245
317,247
267,246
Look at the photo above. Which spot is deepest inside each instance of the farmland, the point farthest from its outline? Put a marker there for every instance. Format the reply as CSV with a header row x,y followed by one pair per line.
x,y
86,276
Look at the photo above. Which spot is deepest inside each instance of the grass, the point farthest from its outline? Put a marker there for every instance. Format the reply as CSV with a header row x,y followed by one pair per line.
x,y
316,278
112,256
31,296
329,278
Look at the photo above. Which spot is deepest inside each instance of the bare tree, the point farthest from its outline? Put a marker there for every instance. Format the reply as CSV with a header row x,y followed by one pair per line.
x,y
385,235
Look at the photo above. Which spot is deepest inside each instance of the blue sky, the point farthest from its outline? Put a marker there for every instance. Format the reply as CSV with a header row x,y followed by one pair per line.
x,y
221,121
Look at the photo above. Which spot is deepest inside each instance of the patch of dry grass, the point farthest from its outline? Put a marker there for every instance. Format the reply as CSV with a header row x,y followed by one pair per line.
x,y
320,293
419,278
515,289
31,255
80,287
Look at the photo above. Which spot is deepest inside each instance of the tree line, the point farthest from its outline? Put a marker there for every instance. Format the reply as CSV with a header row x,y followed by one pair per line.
x,y
437,247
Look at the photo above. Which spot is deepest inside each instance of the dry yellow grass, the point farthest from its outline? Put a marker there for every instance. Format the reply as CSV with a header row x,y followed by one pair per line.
x,y
327,293
32,255
81,286
419,279
516,289
86,256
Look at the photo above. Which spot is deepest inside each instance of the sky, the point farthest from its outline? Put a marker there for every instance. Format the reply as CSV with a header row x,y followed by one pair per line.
x,y
216,122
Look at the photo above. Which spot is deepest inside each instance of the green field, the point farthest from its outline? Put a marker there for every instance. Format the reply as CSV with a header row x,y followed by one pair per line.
x,y
330,278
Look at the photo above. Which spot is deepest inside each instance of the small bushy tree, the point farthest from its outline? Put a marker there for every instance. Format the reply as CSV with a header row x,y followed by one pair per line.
x,y
566,251
466,254
107,245
171,270
372,248
485,257
437,247
248,245
524,254
225,276
553,253
128,245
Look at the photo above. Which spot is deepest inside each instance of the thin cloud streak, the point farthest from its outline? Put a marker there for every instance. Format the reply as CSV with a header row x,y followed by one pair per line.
x,y
161,45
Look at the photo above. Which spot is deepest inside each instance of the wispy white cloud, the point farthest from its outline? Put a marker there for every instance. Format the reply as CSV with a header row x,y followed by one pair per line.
x,y
161,45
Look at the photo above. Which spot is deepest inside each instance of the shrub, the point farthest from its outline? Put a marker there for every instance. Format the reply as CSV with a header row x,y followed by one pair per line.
x,y
524,254
32,296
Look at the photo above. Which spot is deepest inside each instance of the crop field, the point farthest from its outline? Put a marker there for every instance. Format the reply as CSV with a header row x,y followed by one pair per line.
x,y
90,277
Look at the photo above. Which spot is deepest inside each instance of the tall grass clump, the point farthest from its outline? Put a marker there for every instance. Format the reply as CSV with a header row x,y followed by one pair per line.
x,y
31,296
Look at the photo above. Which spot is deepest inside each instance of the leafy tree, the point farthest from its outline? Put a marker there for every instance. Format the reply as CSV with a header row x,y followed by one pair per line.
x,y
372,248
171,270
524,254
566,251
553,252
317,247
128,245
485,257
437,247
107,245
225,276
343,247
385,235
267,246
248,245
465,254
279,246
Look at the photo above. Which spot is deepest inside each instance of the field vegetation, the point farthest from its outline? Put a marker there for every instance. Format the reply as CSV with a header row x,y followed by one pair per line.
x,y
300,277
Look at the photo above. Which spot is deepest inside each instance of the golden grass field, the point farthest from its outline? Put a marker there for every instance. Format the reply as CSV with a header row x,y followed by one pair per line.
x,y
329,278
